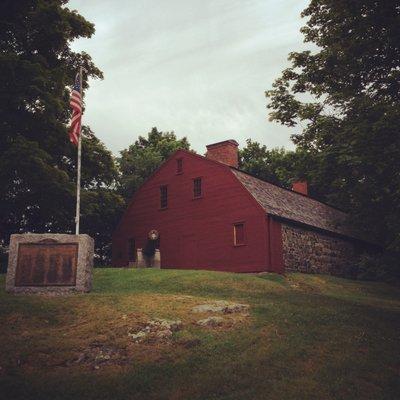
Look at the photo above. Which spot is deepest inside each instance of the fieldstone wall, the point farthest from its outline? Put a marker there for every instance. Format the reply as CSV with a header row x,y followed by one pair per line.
x,y
315,252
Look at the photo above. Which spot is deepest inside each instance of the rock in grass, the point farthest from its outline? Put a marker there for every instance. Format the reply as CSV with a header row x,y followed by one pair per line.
x,y
221,306
165,334
211,321
158,324
236,308
137,337
156,329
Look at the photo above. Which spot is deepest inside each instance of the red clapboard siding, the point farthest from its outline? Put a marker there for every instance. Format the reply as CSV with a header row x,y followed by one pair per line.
x,y
196,233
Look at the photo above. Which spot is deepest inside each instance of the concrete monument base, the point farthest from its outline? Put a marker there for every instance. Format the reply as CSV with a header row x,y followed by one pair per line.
x,y
142,261
50,263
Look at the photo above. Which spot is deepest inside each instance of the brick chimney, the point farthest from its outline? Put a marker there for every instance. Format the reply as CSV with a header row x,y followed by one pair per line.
x,y
225,152
300,187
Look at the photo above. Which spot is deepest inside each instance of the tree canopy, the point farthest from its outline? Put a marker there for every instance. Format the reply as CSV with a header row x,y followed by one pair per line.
x,y
276,165
38,163
142,158
346,94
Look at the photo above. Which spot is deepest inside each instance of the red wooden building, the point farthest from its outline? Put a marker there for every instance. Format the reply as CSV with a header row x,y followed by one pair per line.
x,y
210,215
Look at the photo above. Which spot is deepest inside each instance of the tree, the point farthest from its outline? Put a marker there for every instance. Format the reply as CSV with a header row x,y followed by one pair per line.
x,y
276,165
101,205
143,157
351,120
102,209
280,166
265,164
37,163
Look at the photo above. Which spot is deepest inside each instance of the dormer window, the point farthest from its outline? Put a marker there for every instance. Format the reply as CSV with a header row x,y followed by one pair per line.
x,y
197,188
179,166
163,196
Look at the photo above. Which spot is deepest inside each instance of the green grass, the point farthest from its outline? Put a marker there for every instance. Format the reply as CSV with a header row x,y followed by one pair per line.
x,y
307,337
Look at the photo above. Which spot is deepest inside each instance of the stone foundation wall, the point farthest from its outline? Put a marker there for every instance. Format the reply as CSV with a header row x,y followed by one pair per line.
x,y
314,252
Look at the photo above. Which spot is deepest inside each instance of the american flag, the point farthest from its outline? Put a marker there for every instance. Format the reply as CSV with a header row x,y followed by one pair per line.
x,y
76,105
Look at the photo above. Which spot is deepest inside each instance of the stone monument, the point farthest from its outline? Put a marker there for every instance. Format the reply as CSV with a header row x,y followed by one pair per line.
x,y
50,263
149,256
144,261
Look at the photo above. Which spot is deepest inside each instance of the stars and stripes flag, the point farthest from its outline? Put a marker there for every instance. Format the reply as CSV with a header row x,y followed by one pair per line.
x,y
76,105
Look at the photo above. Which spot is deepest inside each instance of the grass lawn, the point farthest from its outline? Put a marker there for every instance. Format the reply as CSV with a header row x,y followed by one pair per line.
x,y
307,337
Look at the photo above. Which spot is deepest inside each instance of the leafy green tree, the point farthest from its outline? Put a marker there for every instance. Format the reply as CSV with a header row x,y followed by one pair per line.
x,y
276,165
142,158
352,116
265,164
101,205
102,208
38,163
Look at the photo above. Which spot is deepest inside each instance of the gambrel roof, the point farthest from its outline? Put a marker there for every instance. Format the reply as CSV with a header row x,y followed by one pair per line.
x,y
290,205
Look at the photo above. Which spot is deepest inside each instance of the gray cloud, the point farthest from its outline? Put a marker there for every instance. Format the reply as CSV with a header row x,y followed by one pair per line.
x,y
199,68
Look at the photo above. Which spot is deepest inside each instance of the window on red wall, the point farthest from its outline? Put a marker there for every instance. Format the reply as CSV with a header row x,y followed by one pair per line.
x,y
164,196
238,234
197,188
179,166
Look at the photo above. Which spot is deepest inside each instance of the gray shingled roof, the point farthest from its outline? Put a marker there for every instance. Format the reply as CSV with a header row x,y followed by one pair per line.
x,y
290,205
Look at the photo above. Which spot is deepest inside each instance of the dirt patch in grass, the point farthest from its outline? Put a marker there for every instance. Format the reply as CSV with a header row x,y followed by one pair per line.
x,y
96,333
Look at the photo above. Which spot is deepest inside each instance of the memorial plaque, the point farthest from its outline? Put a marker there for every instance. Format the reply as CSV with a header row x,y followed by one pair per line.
x,y
46,264
50,263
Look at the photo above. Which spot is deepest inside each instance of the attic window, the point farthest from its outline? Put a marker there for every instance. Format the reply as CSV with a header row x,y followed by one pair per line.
x,y
197,188
238,234
163,196
179,166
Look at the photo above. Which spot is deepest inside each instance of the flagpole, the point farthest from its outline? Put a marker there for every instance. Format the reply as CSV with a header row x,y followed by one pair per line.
x,y
78,179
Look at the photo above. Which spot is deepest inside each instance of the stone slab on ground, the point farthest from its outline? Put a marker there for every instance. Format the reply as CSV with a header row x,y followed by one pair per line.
x,y
156,329
221,306
48,262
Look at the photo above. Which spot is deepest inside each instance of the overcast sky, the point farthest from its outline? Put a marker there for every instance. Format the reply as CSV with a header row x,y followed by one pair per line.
x,y
197,67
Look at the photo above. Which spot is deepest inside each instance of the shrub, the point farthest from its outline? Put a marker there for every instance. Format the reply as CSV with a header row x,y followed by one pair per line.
x,y
3,259
380,267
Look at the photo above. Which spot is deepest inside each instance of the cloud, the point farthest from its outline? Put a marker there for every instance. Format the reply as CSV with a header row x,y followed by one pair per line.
x,y
198,68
